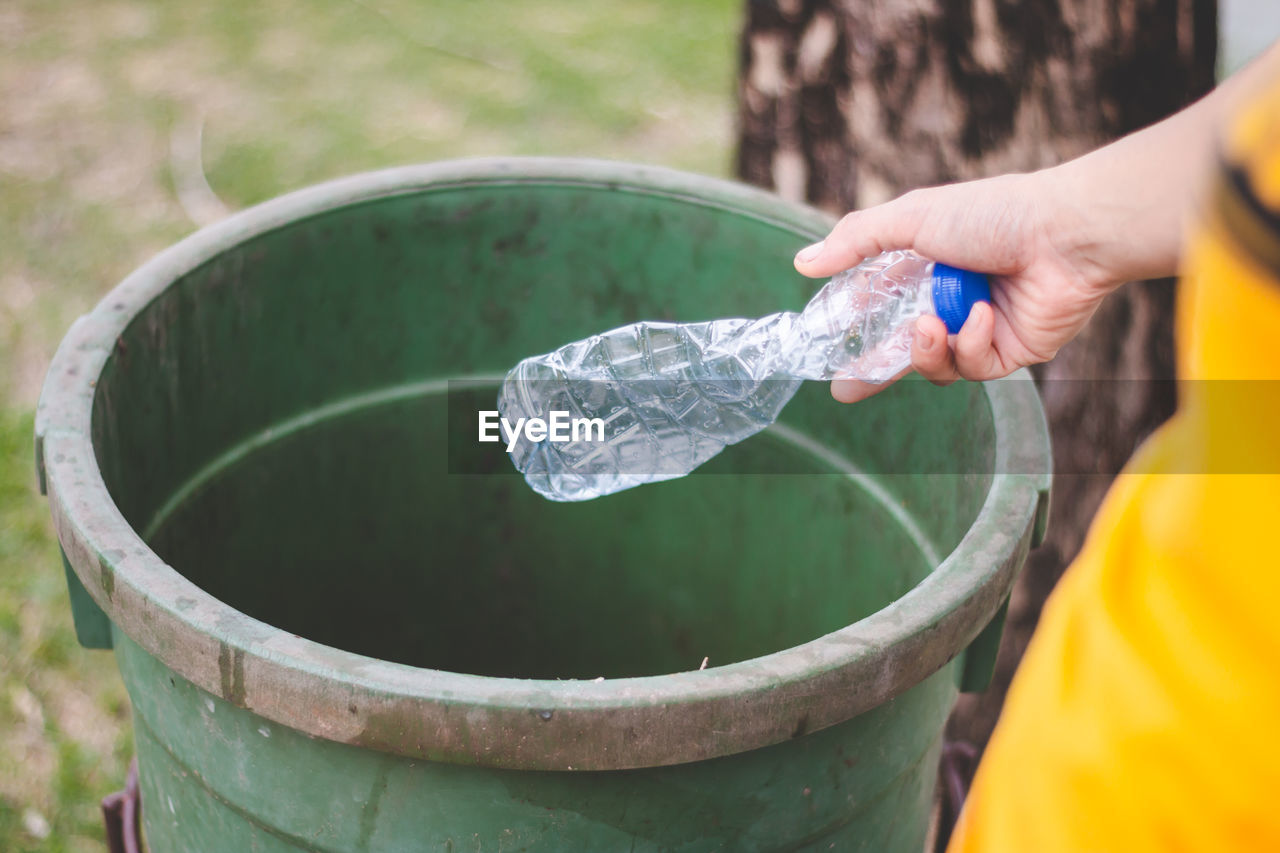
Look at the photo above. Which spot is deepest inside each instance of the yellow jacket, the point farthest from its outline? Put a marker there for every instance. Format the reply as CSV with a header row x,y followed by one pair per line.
x,y
1146,713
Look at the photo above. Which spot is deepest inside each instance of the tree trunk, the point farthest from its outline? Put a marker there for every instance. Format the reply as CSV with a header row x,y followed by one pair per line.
x,y
848,104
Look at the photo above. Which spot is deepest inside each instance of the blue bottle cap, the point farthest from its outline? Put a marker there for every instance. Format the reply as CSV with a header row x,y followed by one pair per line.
x,y
955,291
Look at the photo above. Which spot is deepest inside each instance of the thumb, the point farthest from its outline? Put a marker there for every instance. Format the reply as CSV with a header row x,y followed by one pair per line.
x,y
863,234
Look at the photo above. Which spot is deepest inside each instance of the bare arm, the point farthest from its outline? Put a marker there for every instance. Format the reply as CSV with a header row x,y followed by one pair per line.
x,y
1055,242
1128,203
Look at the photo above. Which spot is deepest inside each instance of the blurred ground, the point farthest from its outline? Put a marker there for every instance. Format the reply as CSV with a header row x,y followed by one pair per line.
x,y
125,124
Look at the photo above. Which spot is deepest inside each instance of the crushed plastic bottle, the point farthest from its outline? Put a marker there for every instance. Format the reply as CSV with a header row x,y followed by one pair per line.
x,y
672,395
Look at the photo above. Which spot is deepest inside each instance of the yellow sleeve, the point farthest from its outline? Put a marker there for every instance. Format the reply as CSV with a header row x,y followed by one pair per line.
x,y
1146,712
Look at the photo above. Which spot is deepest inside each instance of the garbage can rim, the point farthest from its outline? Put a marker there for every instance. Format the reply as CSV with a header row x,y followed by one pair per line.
x,y
643,721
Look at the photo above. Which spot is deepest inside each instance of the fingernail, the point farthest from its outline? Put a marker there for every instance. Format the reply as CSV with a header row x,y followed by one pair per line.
x,y
922,340
808,253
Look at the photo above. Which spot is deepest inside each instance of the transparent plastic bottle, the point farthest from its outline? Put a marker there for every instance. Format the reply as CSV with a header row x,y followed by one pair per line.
x,y
672,395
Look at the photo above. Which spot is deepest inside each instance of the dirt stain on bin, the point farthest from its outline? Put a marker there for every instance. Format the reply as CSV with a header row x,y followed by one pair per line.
x,y
369,814
107,578
231,670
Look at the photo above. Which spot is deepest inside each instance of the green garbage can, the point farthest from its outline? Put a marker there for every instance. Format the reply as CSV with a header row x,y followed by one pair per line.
x,y
340,633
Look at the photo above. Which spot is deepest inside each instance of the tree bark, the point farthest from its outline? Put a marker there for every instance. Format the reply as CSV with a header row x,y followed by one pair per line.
x,y
848,104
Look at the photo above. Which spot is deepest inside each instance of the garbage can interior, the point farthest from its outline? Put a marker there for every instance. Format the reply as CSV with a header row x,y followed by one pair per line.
x,y
291,426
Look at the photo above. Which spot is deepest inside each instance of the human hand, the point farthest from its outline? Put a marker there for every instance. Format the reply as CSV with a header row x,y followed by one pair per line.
x,y
1018,229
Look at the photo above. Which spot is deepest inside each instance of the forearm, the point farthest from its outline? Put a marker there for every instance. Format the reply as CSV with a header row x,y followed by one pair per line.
x,y
1126,205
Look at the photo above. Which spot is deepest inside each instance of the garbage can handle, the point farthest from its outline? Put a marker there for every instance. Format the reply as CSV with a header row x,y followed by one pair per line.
x,y
979,663
93,627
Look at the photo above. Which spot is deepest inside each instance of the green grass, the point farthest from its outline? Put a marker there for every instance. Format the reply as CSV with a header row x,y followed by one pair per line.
x,y
64,735
285,93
